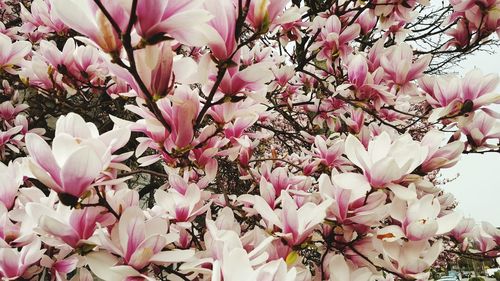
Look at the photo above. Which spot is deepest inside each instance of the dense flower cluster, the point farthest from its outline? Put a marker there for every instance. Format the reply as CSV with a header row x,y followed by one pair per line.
x,y
239,139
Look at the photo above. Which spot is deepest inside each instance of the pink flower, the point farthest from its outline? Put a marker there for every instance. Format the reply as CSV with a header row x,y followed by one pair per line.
x,y
450,96
155,18
461,34
422,221
367,85
400,67
222,39
69,167
154,66
333,40
13,264
8,138
352,205
85,17
183,202
8,111
9,230
61,265
139,242
9,186
329,151
463,229
296,223
367,21
479,127
479,89
180,110
440,90
341,270
252,78
233,259
440,157
384,161
11,54
42,16
263,13
72,227
36,73
410,258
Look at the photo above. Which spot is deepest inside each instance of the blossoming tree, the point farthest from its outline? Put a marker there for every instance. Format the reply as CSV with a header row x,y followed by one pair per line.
x,y
239,139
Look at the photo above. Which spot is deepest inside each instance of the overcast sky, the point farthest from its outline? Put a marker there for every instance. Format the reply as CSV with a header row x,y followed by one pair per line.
x,y
477,188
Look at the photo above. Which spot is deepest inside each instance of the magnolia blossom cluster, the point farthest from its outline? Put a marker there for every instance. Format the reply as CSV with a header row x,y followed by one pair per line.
x,y
239,140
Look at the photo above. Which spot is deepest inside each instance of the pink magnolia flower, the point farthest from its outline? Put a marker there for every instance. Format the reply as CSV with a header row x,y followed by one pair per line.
x,y
442,93
463,229
280,178
410,258
11,54
352,203
400,67
296,223
9,138
222,39
401,12
367,21
155,68
156,18
481,14
233,259
9,186
333,39
367,85
236,129
236,265
9,230
479,127
384,161
71,227
36,73
252,78
440,157
183,202
263,13
342,270
420,218
492,231
460,33
61,264
330,152
479,89
154,65
483,241
14,263
8,111
55,57
42,16
86,18
357,70
283,75
104,144
266,191
69,168
180,110
139,242
122,199
355,120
